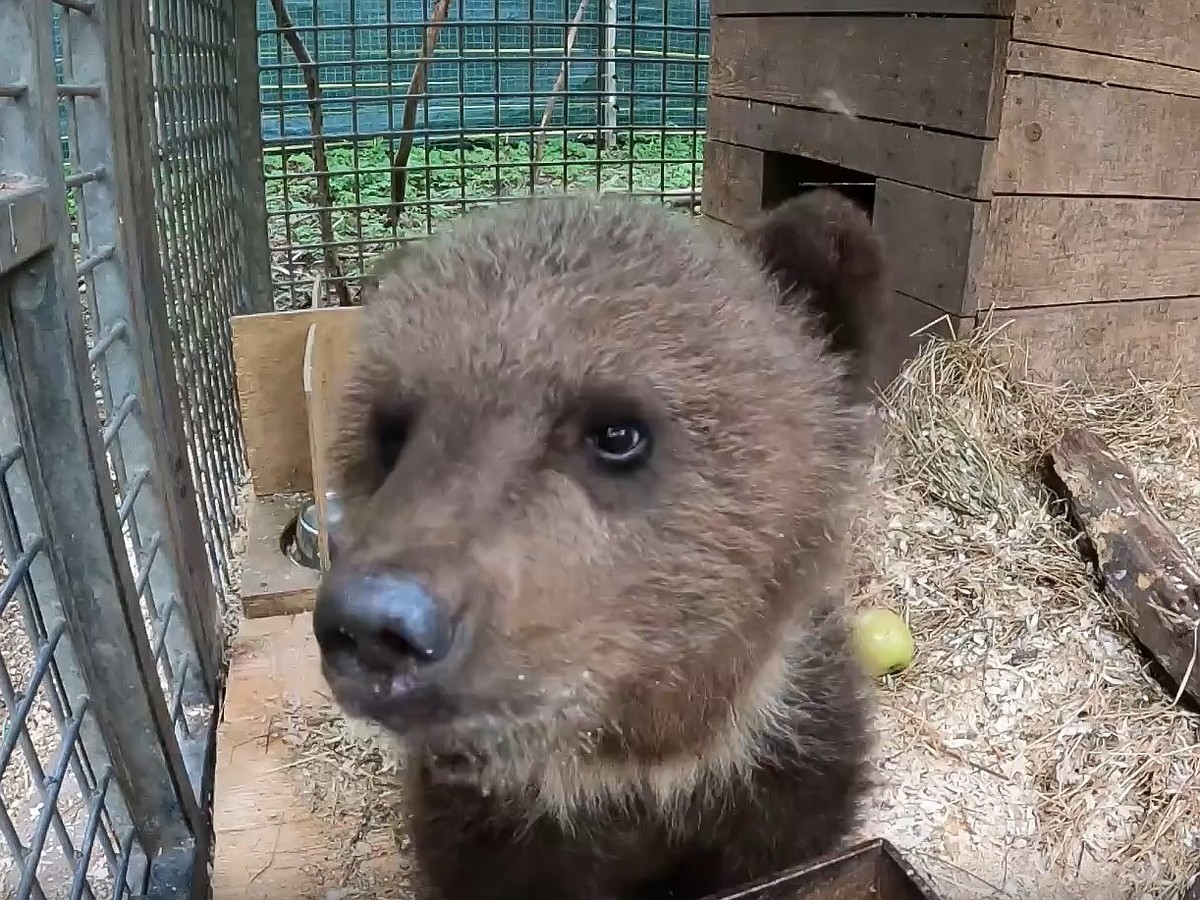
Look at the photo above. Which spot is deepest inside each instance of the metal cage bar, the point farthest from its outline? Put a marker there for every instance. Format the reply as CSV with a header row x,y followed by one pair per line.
x,y
628,115
116,401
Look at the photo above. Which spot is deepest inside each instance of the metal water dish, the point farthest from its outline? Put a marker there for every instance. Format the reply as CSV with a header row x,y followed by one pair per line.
x,y
308,527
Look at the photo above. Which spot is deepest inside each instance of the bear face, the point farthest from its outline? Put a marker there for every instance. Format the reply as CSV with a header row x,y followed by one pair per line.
x,y
592,461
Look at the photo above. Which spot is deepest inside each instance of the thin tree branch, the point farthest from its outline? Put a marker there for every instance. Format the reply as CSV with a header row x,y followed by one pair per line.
x,y
416,87
539,146
308,69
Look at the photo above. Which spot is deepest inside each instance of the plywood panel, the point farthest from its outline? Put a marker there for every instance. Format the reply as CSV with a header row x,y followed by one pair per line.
x,y
931,241
1165,31
1106,341
922,71
1055,250
1082,65
1069,137
268,353
268,844
950,163
733,182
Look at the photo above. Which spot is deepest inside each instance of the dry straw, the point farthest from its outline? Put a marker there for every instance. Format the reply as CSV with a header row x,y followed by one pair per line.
x,y
1027,752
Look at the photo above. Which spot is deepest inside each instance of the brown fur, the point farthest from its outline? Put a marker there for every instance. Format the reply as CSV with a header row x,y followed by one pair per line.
x,y
650,693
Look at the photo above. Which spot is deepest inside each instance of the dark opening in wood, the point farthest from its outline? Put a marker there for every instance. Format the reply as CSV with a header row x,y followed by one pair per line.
x,y
787,175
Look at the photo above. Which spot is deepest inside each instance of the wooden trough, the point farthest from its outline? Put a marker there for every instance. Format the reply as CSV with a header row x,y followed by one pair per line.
x,y
1039,155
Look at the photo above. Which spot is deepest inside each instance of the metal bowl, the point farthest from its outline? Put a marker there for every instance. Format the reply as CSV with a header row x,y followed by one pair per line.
x,y
308,530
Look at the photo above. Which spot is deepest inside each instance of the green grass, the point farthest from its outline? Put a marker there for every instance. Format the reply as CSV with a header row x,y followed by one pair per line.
x,y
442,184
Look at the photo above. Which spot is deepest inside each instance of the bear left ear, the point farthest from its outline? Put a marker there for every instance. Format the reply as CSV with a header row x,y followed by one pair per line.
x,y
824,254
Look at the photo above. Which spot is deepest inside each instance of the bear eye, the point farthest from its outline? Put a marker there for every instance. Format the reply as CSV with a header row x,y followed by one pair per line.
x,y
620,446
389,433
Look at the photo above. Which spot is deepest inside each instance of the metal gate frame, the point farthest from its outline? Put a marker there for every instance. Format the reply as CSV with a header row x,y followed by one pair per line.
x,y
99,513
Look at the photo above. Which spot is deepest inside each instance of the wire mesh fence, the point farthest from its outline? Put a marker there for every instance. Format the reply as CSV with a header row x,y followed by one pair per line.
x,y
383,118
120,452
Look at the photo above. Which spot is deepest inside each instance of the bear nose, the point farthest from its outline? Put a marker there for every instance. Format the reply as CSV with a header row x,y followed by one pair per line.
x,y
381,622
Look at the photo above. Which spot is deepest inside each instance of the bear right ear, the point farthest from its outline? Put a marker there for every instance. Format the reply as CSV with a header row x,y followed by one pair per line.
x,y
823,253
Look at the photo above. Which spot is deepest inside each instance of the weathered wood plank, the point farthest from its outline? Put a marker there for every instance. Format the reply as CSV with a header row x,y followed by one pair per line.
x,y
1164,31
24,221
909,325
268,842
733,182
950,163
938,72
1116,71
1069,137
273,584
718,228
1153,339
1145,570
268,351
932,241
864,7
1052,250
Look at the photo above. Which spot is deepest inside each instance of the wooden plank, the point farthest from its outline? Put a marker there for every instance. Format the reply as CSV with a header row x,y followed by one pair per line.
x,y
316,432
1163,31
1152,339
1069,137
1147,573
272,583
953,164
324,366
863,7
733,182
268,353
1054,250
24,221
1081,65
724,230
268,844
932,243
909,325
938,72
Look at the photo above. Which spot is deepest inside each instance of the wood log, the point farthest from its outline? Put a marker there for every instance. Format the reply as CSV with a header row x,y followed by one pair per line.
x,y
1145,570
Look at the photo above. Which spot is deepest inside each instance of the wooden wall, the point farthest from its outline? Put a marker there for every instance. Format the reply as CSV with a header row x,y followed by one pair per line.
x,y
1092,238
1040,156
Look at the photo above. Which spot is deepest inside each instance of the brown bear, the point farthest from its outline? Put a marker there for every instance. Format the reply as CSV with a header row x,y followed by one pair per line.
x,y
593,463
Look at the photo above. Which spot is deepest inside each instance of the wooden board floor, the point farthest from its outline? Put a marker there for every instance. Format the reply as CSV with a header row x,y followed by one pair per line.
x,y
269,844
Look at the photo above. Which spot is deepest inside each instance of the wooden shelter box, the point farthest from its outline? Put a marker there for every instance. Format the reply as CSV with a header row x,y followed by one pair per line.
x,y
1039,158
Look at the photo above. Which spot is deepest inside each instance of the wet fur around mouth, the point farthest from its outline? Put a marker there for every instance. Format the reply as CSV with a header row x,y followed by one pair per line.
x,y
653,695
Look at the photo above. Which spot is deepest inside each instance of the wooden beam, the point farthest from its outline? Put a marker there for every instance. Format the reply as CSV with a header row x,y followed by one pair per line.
x,y
944,162
1098,68
1000,8
1163,31
1146,571
1049,251
935,72
1072,137
932,241
733,182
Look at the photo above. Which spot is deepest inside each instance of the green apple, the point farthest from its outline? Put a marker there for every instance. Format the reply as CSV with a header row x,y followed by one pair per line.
x,y
883,642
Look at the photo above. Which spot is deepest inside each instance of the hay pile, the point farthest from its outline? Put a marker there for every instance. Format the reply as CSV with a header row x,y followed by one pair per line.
x,y
1026,752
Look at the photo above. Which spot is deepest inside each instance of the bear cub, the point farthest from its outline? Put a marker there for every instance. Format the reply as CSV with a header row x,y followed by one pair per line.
x,y
594,464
